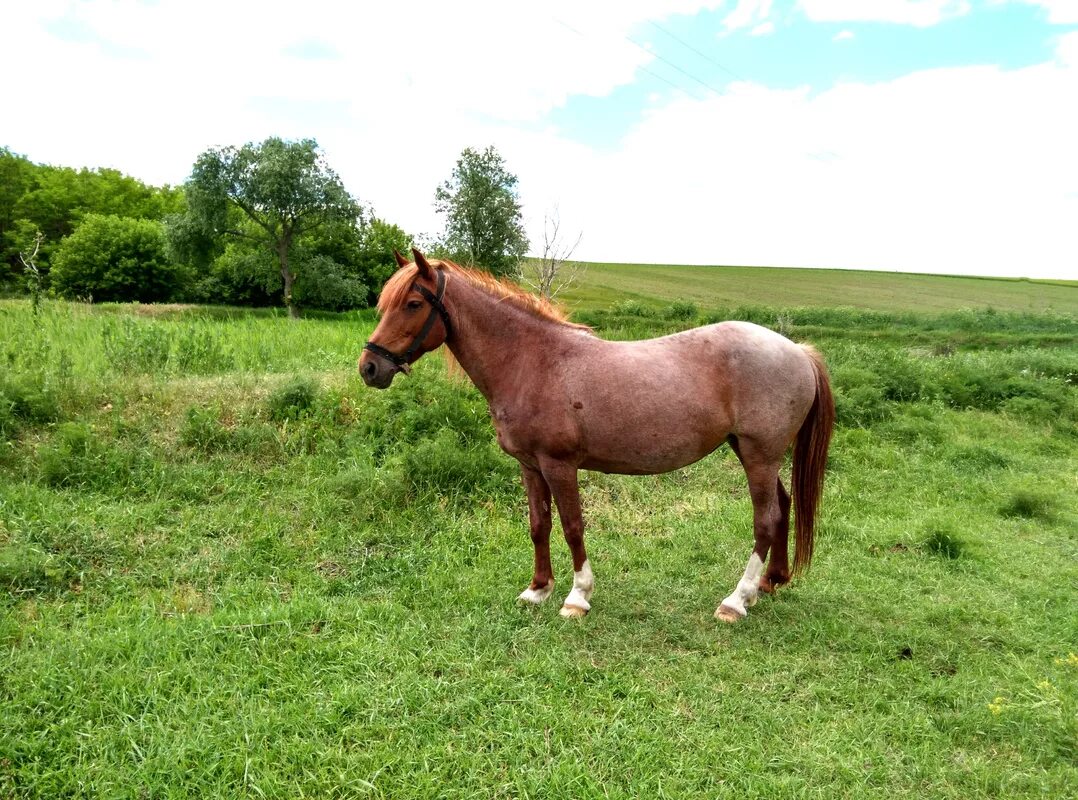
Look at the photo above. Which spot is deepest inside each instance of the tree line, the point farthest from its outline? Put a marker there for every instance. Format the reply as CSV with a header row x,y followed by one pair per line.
x,y
266,223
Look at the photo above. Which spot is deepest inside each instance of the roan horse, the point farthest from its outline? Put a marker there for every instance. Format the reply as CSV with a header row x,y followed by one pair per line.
x,y
563,400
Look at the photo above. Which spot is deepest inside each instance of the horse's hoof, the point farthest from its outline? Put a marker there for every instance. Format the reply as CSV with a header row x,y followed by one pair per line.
x,y
534,597
573,612
728,614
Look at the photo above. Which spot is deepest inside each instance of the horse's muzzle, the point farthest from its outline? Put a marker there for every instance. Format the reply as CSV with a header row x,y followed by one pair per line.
x,y
375,371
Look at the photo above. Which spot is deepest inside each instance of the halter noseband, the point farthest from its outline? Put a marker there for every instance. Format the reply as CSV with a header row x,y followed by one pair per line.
x,y
402,361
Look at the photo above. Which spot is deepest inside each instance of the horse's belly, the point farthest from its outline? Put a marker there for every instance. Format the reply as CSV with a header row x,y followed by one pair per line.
x,y
651,454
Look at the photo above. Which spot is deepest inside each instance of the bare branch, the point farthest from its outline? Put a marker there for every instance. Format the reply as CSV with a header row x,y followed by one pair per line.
x,y
554,273
28,261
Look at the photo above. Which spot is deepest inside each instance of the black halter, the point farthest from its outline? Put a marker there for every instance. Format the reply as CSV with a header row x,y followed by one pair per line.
x,y
402,361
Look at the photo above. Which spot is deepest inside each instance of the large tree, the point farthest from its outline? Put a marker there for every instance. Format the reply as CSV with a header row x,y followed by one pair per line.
x,y
483,218
271,193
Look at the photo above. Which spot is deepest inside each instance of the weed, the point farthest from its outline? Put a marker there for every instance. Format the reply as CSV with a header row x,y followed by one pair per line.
x,y
131,346
944,542
1029,503
292,399
28,570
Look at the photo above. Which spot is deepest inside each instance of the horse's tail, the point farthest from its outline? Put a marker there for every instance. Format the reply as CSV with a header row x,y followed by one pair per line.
x,y
810,459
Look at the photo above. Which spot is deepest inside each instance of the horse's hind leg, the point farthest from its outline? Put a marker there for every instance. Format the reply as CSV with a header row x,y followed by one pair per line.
x,y
762,470
778,566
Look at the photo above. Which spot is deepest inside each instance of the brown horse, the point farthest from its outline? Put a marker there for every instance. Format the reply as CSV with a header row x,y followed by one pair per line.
x,y
563,400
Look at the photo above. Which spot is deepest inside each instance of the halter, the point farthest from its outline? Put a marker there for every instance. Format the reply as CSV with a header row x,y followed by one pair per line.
x,y
401,362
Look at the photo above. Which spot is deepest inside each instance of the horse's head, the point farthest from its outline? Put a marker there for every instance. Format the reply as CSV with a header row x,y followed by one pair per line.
x,y
413,322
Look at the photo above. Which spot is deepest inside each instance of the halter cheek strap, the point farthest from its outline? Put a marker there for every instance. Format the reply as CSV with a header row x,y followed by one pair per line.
x,y
437,309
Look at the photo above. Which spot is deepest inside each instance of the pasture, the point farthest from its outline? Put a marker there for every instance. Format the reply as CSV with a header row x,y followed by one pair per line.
x,y
729,287
227,568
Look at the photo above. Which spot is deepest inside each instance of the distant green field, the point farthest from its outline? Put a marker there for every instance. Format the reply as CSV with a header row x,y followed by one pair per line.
x,y
724,287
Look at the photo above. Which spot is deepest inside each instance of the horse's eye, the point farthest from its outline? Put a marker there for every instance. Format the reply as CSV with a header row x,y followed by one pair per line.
x,y
414,304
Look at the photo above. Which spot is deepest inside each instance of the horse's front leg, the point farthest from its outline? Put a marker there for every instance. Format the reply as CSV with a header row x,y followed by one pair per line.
x,y
542,585
562,479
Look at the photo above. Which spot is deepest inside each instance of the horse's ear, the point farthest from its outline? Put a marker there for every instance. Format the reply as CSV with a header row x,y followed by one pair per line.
x,y
401,260
425,269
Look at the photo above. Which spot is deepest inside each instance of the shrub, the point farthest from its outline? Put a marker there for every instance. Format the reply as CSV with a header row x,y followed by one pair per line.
x,y
323,283
632,308
116,259
682,310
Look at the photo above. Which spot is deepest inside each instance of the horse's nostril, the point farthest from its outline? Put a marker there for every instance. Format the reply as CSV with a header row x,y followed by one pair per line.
x,y
369,369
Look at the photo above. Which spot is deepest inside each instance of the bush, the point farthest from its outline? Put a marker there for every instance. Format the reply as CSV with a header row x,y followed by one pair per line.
x,y
632,308
682,310
323,283
116,259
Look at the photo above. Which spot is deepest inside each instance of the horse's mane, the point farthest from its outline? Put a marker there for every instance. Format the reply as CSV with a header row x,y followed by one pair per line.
x,y
399,284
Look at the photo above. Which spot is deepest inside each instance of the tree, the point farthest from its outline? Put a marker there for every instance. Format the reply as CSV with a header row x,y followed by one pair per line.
x,y
551,273
271,193
483,218
53,200
376,260
118,259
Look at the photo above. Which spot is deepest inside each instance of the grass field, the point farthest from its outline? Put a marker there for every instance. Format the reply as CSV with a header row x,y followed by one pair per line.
x,y
229,569
730,287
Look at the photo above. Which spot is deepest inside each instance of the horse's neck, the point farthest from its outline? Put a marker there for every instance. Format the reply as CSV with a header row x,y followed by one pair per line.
x,y
493,338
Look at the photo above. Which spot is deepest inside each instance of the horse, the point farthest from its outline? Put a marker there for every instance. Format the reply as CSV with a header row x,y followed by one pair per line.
x,y
562,400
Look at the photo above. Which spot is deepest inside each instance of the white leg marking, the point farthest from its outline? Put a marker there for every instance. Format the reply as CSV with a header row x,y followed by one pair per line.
x,y
744,595
576,604
536,596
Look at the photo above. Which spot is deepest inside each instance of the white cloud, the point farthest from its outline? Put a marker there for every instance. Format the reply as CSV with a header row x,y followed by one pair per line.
x,y
920,13
1060,12
746,13
763,29
842,36
955,170
1067,50
967,170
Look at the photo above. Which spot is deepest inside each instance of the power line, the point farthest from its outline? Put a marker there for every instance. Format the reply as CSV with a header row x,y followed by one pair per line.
x,y
702,55
643,68
652,53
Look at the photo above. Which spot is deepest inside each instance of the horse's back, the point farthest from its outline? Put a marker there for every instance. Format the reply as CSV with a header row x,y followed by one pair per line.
x,y
658,404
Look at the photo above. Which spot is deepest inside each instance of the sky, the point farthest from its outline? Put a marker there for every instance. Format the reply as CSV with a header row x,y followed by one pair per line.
x,y
910,135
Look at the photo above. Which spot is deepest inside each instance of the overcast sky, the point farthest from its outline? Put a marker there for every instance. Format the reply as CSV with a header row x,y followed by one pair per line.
x,y
913,135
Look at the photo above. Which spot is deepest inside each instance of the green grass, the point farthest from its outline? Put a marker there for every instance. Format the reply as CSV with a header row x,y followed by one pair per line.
x,y
229,569
601,284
